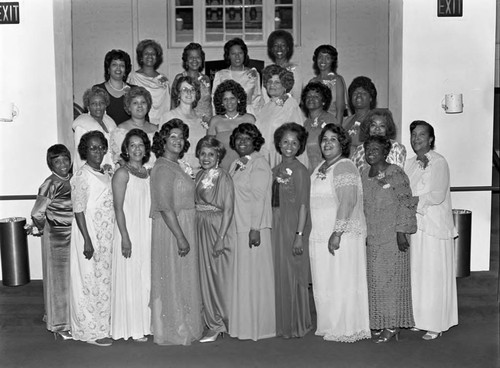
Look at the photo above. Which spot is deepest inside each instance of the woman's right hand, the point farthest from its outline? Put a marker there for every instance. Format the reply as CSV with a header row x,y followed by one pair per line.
x,y
183,246
218,247
126,247
88,249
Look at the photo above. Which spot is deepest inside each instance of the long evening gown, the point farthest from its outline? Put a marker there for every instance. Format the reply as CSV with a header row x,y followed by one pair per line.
x,y
389,208
175,285
215,191
291,273
432,250
253,307
53,213
339,281
130,313
90,285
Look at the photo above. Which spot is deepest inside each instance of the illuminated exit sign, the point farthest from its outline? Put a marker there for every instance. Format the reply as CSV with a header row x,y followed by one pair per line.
x,y
450,8
9,13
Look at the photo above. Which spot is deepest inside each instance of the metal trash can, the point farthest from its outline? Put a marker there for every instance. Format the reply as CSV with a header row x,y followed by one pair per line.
x,y
463,224
14,251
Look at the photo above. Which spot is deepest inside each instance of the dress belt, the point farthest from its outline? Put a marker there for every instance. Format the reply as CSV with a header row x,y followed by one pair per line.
x,y
207,207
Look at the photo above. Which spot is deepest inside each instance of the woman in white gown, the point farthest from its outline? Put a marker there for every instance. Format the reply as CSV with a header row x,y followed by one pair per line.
x,y
131,282
338,258
91,243
433,283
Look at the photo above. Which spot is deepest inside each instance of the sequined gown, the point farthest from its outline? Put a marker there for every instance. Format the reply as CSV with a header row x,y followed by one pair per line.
x,y
389,208
53,213
90,285
175,285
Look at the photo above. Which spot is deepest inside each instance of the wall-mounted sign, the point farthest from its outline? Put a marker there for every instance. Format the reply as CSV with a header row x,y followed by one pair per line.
x,y
450,8
9,13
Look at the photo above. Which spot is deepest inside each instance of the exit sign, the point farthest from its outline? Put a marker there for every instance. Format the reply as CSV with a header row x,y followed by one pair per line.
x,y
450,8
9,13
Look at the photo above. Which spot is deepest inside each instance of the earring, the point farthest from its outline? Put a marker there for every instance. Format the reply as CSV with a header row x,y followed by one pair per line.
x,y
217,165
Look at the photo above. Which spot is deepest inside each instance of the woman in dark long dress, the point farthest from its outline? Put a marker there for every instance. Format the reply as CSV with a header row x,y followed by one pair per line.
x,y
390,212
216,236
290,235
52,215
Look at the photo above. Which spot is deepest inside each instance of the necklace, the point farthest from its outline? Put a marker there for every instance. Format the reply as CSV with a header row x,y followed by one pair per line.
x,y
65,178
142,172
124,85
232,117
99,170
315,122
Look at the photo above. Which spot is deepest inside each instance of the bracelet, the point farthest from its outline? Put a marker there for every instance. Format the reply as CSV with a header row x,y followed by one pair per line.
x,y
299,233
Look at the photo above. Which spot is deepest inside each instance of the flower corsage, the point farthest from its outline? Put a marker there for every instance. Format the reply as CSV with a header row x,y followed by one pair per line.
x,y
241,163
381,180
354,128
285,177
187,168
208,181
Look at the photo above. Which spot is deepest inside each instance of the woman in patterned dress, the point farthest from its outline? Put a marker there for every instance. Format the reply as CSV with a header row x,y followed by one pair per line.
x,y
91,244
390,213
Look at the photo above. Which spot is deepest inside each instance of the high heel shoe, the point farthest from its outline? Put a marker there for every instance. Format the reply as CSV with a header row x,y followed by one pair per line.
x,y
65,335
387,335
431,335
211,336
376,333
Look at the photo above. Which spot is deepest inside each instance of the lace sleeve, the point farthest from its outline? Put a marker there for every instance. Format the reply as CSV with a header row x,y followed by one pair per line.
x,y
79,192
346,184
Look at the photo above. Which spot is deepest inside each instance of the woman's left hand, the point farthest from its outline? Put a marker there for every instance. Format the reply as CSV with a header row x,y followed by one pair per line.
x,y
297,248
254,238
218,247
403,244
334,243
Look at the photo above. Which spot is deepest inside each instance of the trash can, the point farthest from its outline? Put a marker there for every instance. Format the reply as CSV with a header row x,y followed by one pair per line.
x,y
14,251
463,224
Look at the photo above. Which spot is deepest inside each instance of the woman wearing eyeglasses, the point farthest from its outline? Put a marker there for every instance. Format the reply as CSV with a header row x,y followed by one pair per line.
x,y
185,96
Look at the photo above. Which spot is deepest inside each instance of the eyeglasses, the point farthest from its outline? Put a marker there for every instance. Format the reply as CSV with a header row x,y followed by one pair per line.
x,y
98,148
188,90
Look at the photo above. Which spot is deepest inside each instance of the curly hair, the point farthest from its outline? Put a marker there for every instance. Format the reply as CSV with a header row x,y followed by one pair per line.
x,y
211,142
366,84
54,152
134,92
299,130
139,51
90,93
83,146
430,130
236,42
248,129
285,36
176,92
117,55
285,76
193,46
364,129
322,89
342,135
160,138
325,49
145,139
237,90
384,142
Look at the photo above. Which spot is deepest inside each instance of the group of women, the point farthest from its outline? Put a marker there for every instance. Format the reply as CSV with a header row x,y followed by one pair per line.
x,y
224,228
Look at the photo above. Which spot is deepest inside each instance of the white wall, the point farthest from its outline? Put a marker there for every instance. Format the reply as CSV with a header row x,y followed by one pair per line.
x,y
444,55
27,78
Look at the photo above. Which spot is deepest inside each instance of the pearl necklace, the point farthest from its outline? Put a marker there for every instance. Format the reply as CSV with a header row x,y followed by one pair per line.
x,y
61,177
232,117
124,85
